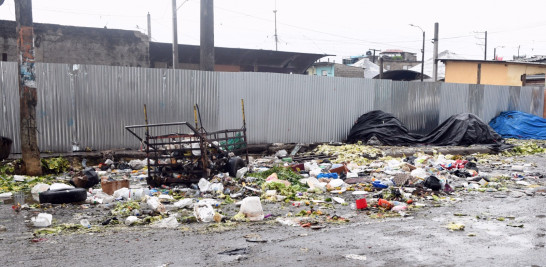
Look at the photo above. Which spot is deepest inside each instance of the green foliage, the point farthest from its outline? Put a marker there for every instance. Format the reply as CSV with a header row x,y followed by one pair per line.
x,y
56,165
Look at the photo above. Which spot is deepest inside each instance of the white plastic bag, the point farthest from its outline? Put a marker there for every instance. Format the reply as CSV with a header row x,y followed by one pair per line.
x,y
203,212
204,185
170,222
42,220
184,203
251,207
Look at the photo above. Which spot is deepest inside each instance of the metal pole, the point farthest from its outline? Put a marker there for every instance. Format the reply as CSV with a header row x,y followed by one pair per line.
x,y
495,54
28,95
207,35
423,57
485,52
149,27
380,68
276,37
175,37
435,53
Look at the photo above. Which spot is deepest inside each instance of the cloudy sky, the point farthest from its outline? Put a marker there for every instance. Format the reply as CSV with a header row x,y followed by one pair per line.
x,y
342,28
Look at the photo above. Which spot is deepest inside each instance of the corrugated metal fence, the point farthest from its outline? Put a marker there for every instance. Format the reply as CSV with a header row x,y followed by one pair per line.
x,y
90,105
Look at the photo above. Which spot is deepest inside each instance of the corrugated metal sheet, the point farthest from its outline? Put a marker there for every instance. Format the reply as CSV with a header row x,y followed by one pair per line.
x,y
9,104
90,105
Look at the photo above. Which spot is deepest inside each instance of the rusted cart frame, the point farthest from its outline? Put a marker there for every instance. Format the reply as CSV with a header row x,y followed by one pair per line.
x,y
186,157
174,153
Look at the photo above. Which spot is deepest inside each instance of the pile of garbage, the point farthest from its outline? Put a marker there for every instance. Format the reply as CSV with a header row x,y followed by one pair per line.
x,y
341,183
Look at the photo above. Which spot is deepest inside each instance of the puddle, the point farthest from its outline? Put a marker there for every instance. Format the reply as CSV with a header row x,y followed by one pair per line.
x,y
235,252
19,197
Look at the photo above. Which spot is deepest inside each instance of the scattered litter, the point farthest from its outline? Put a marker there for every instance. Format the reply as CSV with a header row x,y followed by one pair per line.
x,y
42,220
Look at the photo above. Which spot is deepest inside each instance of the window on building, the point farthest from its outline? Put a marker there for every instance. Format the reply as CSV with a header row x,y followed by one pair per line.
x,y
4,56
324,73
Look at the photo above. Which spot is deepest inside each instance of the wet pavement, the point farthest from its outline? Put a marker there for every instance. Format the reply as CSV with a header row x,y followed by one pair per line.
x,y
503,224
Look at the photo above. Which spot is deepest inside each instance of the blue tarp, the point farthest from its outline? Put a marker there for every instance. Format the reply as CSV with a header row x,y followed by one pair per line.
x,y
520,125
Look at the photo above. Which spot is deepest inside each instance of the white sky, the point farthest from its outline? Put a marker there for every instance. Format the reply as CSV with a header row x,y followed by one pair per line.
x,y
343,27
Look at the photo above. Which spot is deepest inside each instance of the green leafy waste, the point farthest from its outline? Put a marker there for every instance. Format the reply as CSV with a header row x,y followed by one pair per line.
x,y
289,191
282,173
7,184
56,165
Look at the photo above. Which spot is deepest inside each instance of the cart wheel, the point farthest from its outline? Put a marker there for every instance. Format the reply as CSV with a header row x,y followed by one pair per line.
x,y
61,196
234,165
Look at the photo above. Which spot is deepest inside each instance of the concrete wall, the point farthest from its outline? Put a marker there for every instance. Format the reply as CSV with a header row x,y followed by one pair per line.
x,y
80,45
399,65
348,71
328,68
493,73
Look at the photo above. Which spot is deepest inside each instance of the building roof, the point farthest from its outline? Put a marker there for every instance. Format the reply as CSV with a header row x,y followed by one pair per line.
x,y
393,51
370,69
536,58
429,64
248,59
492,61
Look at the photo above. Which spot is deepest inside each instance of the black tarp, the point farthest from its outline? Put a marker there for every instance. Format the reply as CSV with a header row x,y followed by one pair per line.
x,y
458,130
384,126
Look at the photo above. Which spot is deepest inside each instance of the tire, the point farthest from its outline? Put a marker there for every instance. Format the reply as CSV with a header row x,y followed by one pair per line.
x,y
61,196
234,165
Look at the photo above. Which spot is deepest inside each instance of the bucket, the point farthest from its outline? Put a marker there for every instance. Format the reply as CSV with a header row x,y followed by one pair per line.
x,y
361,204
5,147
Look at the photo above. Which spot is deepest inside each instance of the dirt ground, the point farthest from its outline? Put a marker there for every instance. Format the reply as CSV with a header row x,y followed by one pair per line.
x,y
500,228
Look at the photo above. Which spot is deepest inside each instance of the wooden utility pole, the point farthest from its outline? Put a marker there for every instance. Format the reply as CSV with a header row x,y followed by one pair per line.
x,y
27,88
374,50
207,35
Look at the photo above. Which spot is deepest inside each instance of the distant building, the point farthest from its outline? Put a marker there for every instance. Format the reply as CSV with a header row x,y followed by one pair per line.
x,y
335,70
493,72
111,47
79,45
394,59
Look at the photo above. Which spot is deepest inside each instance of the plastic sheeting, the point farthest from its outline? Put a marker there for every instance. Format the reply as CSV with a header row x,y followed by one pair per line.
x,y
384,126
461,129
520,125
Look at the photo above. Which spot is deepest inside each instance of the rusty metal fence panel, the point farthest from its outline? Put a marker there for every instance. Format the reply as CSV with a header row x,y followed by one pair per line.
x,y
89,105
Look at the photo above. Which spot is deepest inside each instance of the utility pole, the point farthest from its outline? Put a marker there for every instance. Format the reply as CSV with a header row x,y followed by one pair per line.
x,y
380,68
175,37
435,53
276,36
149,27
485,50
422,52
207,35
373,49
28,95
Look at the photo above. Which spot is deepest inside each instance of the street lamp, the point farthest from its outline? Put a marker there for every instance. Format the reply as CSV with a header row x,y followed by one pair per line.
x,y
422,52
495,52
